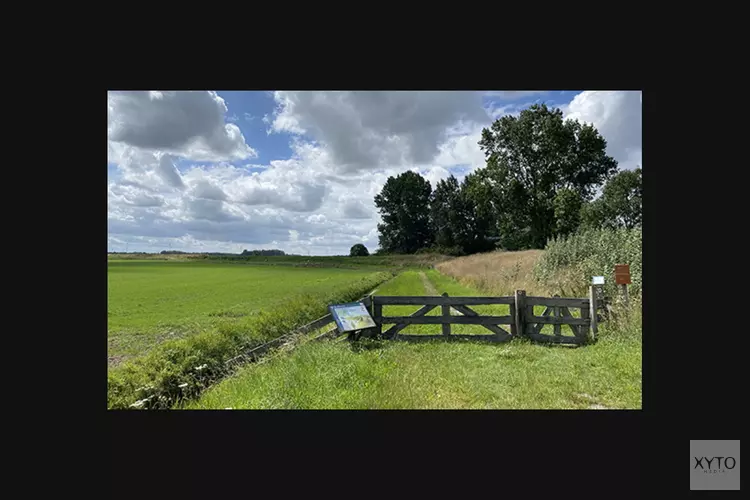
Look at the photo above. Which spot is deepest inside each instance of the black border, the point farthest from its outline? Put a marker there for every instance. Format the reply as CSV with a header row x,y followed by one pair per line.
x,y
690,382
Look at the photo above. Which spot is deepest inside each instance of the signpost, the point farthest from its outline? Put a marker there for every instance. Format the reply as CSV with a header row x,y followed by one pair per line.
x,y
622,278
351,317
597,293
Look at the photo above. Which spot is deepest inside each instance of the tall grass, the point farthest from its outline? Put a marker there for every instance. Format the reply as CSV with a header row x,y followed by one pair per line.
x,y
180,369
569,263
496,273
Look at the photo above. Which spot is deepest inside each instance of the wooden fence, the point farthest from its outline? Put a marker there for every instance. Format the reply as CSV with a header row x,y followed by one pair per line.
x,y
520,322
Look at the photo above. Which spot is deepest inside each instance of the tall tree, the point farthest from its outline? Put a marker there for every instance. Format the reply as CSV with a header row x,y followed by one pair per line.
x,y
568,205
621,202
442,206
529,159
470,221
457,222
403,204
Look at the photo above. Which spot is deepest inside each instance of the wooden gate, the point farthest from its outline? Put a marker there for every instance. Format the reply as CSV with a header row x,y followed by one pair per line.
x,y
521,322
460,304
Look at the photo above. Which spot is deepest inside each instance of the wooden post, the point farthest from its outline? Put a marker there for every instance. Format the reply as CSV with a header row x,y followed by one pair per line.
x,y
520,308
446,312
513,329
377,315
592,312
558,313
625,294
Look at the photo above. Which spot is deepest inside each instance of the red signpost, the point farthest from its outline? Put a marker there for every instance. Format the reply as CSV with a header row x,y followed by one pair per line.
x,y
622,278
622,274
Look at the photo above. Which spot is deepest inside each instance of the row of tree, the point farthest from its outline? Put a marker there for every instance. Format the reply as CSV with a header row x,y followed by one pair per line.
x,y
540,181
264,253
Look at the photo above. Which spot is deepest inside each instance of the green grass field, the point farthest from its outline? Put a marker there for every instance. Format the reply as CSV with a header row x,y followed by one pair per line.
x,y
434,375
380,262
153,301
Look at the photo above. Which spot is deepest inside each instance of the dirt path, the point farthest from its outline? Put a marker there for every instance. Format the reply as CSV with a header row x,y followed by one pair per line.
x,y
429,288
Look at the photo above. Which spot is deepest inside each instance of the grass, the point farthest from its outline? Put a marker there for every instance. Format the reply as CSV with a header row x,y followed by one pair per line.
x,y
378,262
153,301
439,375
179,368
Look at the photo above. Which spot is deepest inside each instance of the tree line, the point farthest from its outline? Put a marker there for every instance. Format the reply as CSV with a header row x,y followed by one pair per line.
x,y
540,181
264,253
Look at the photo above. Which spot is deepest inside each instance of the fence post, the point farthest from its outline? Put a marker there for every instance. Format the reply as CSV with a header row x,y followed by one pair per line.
x,y
593,306
446,312
520,308
557,312
377,315
625,298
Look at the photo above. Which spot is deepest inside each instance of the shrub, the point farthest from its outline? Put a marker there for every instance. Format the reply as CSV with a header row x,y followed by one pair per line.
x,y
358,250
572,261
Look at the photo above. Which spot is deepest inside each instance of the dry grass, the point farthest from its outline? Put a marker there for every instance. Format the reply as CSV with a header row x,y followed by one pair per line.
x,y
496,273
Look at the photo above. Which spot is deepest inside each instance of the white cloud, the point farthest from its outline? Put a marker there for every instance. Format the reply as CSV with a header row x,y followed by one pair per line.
x,y
617,115
435,174
376,129
190,124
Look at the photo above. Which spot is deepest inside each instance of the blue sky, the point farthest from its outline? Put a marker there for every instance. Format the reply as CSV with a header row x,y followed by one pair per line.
x,y
228,170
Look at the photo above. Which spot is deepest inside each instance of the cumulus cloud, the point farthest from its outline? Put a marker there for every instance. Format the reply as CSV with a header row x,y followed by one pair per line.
x,y
365,130
356,209
190,124
618,116
168,171
133,195
208,190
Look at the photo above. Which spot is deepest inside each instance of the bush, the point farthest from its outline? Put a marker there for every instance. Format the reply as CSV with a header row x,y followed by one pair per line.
x,y
358,250
572,261
182,368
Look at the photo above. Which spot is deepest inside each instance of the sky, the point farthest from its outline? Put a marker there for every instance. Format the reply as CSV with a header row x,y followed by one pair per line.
x,y
224,171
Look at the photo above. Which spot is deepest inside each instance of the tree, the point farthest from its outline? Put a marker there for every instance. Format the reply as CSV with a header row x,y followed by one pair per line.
x,y
403,204
470,223
266,253
442,206
621,202
593,214
458,223
568,205
623,199
529,159
358,250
